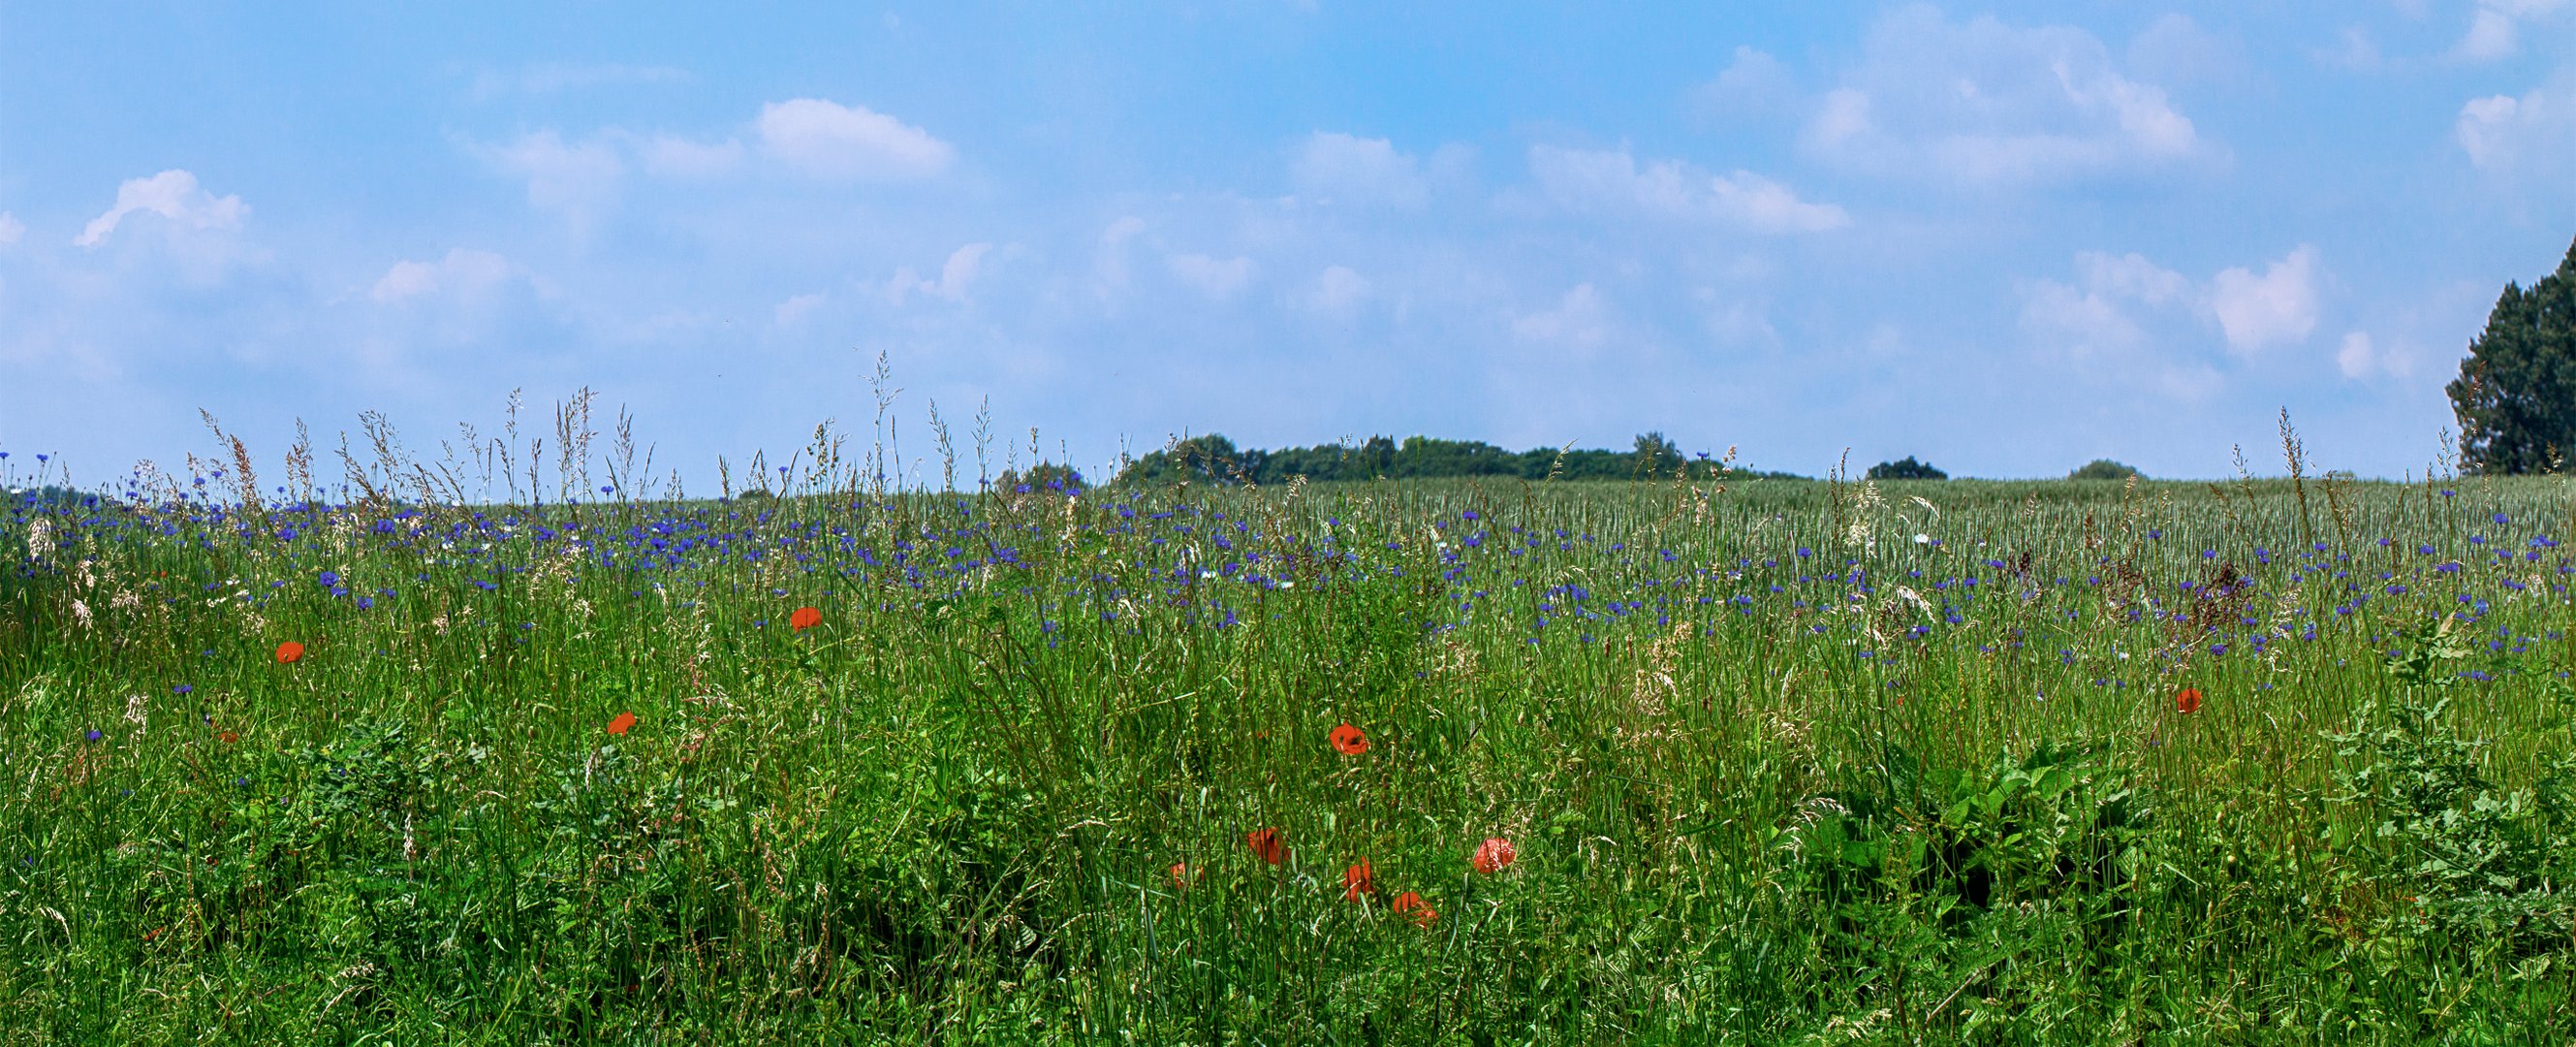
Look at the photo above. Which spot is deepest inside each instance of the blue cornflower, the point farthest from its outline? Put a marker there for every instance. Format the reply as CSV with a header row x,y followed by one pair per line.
x,y
92,735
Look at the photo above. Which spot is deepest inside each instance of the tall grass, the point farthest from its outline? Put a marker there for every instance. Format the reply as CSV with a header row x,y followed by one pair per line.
x,y
1780,762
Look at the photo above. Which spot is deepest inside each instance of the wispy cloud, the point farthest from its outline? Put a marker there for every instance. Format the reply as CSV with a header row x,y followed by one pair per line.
x,y
829,140
1609,181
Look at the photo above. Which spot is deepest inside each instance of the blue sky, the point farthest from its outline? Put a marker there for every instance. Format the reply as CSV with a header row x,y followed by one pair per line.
x,y
2006,239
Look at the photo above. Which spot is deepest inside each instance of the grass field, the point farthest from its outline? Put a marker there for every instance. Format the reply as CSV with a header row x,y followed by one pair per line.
x,y
1776,762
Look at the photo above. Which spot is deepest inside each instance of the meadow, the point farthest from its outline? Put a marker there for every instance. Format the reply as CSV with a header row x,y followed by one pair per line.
x,y
829,759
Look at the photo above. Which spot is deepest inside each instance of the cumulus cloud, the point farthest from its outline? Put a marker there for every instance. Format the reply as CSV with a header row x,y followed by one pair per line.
x,y
1214,277
1580,320
1109,262
828,140
1610,181
954,276
1985,104
2090,318
2360,357
577,179
2174,49
2495,28
2276,307
1345,168
10,229
462,272
173,195
1337,290
1754,84
2100,314
2535,132
787,313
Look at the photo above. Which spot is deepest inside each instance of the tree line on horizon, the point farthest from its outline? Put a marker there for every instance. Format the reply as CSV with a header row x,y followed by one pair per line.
x,y
1214,459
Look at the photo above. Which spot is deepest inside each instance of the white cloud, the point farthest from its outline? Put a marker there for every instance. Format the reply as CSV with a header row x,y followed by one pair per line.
x,y
1345,168
1109,263
2132,276
173,195
462,272
1214,277
672,156
1987,104
2360,357
2495,28
10,229
2535,132
954,276
1601,180
795,308
2278,306
2355,357
1581,320
2083,322
2354,50
828,140
1337,289
2490,37
1753,84
2175,49
578,179
2096,316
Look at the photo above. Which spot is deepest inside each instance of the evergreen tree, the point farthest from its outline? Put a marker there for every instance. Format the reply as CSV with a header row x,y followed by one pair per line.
x,y
2516,393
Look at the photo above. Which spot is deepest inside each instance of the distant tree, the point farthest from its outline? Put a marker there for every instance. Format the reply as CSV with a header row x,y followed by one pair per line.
x,y
1044,477
2516,393
2104,469
1656,456
1215,459
1908,469
1200,459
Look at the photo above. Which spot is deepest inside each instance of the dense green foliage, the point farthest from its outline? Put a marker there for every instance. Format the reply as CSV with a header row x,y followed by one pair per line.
x,y
1790,762
1215,459
2516,393
2103,469
1907,469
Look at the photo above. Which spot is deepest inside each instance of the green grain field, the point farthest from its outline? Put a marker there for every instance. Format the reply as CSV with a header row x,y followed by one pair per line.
x,y
1776,761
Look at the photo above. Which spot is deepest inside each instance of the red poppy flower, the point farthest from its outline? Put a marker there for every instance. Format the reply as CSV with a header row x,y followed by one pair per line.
x,y
1492,855
227,737
1265,842
1358,880
621,723
805,618
289,651
1409,902
2187,700
1350,740
1182,874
